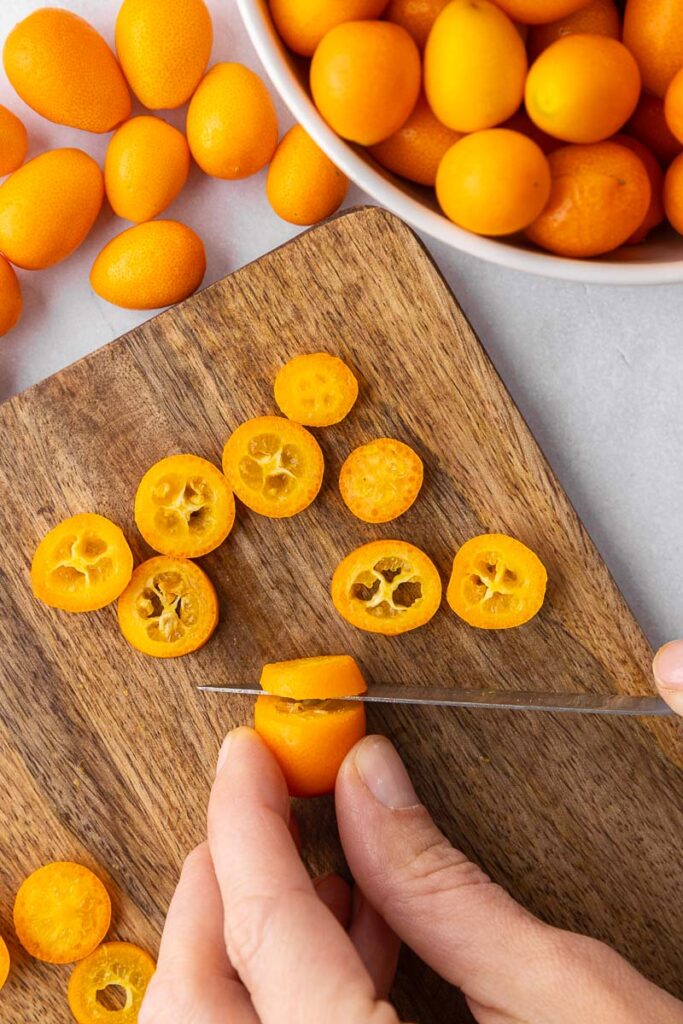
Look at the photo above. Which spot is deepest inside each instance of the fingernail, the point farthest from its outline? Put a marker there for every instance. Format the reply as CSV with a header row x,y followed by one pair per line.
x,y
383,772
668,664
223,752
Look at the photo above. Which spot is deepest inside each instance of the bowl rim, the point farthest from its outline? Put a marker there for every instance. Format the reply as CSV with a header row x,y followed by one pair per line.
x,y
262,33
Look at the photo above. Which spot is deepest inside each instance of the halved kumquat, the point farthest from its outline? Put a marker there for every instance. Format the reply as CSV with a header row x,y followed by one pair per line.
x,y
497,582
274,465
184,506
169,608
387,586
82,564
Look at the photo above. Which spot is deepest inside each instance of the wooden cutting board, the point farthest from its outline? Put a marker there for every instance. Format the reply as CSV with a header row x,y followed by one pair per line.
x,y
106,756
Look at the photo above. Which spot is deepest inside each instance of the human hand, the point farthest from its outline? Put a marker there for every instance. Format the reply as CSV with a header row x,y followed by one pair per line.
x,y
250,938
668,671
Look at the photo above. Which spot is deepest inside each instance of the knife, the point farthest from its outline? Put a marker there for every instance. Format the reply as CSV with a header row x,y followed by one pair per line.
x,y
493,700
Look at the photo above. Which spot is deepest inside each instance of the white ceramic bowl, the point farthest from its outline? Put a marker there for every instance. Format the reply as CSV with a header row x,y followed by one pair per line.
x,y
657,261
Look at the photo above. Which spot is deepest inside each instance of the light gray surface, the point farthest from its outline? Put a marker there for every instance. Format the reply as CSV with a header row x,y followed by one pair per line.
x,y
596,371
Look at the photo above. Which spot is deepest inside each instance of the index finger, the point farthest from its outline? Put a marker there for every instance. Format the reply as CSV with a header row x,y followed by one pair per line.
x,y
294,957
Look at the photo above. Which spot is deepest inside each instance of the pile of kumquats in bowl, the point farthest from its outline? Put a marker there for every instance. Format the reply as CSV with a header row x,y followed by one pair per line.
x,y
539,134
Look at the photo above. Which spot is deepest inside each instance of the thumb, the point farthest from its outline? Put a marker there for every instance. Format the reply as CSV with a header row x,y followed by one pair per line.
x,y
668,670
509,964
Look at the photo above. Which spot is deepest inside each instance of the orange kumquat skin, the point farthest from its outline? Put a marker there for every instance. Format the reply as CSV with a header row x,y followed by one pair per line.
x,y
309,739
4,962
417,148
13,141
673,194
600,195
387,586
497,582
655,213
322,678
303,23
365,79
582,88
648,125
62,912
673,106
493,182
538,12
303,185
11,301
599,17
415,16
653,32
475,65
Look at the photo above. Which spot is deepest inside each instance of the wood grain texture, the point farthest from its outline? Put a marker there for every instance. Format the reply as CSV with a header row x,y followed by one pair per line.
x,y
106,756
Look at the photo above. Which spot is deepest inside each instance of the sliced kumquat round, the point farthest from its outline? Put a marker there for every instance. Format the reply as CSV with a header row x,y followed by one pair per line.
x,y
274,465
82,564
380,480
169,608
321,678
315,389
61,913
497,582
94,981
4,962
309,739
184,506
387,586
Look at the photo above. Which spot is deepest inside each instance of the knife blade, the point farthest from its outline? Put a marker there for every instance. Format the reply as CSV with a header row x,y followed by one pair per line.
x,y
492,700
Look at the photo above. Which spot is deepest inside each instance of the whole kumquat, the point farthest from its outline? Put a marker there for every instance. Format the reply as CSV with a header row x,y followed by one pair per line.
x,y
13,141
48,206
115,964
415,16
309,739
169,608
417,148
673,106
303,185
61,912
184,506
493,182
164,47
673,194
537,12
316,389
600,195
146,167
497,582
474,66
648,125
387,586
303,23
274,465
82,564
231,122
65,71
583,88
365,79
379,481
598,18
149,266
653,32
11,302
